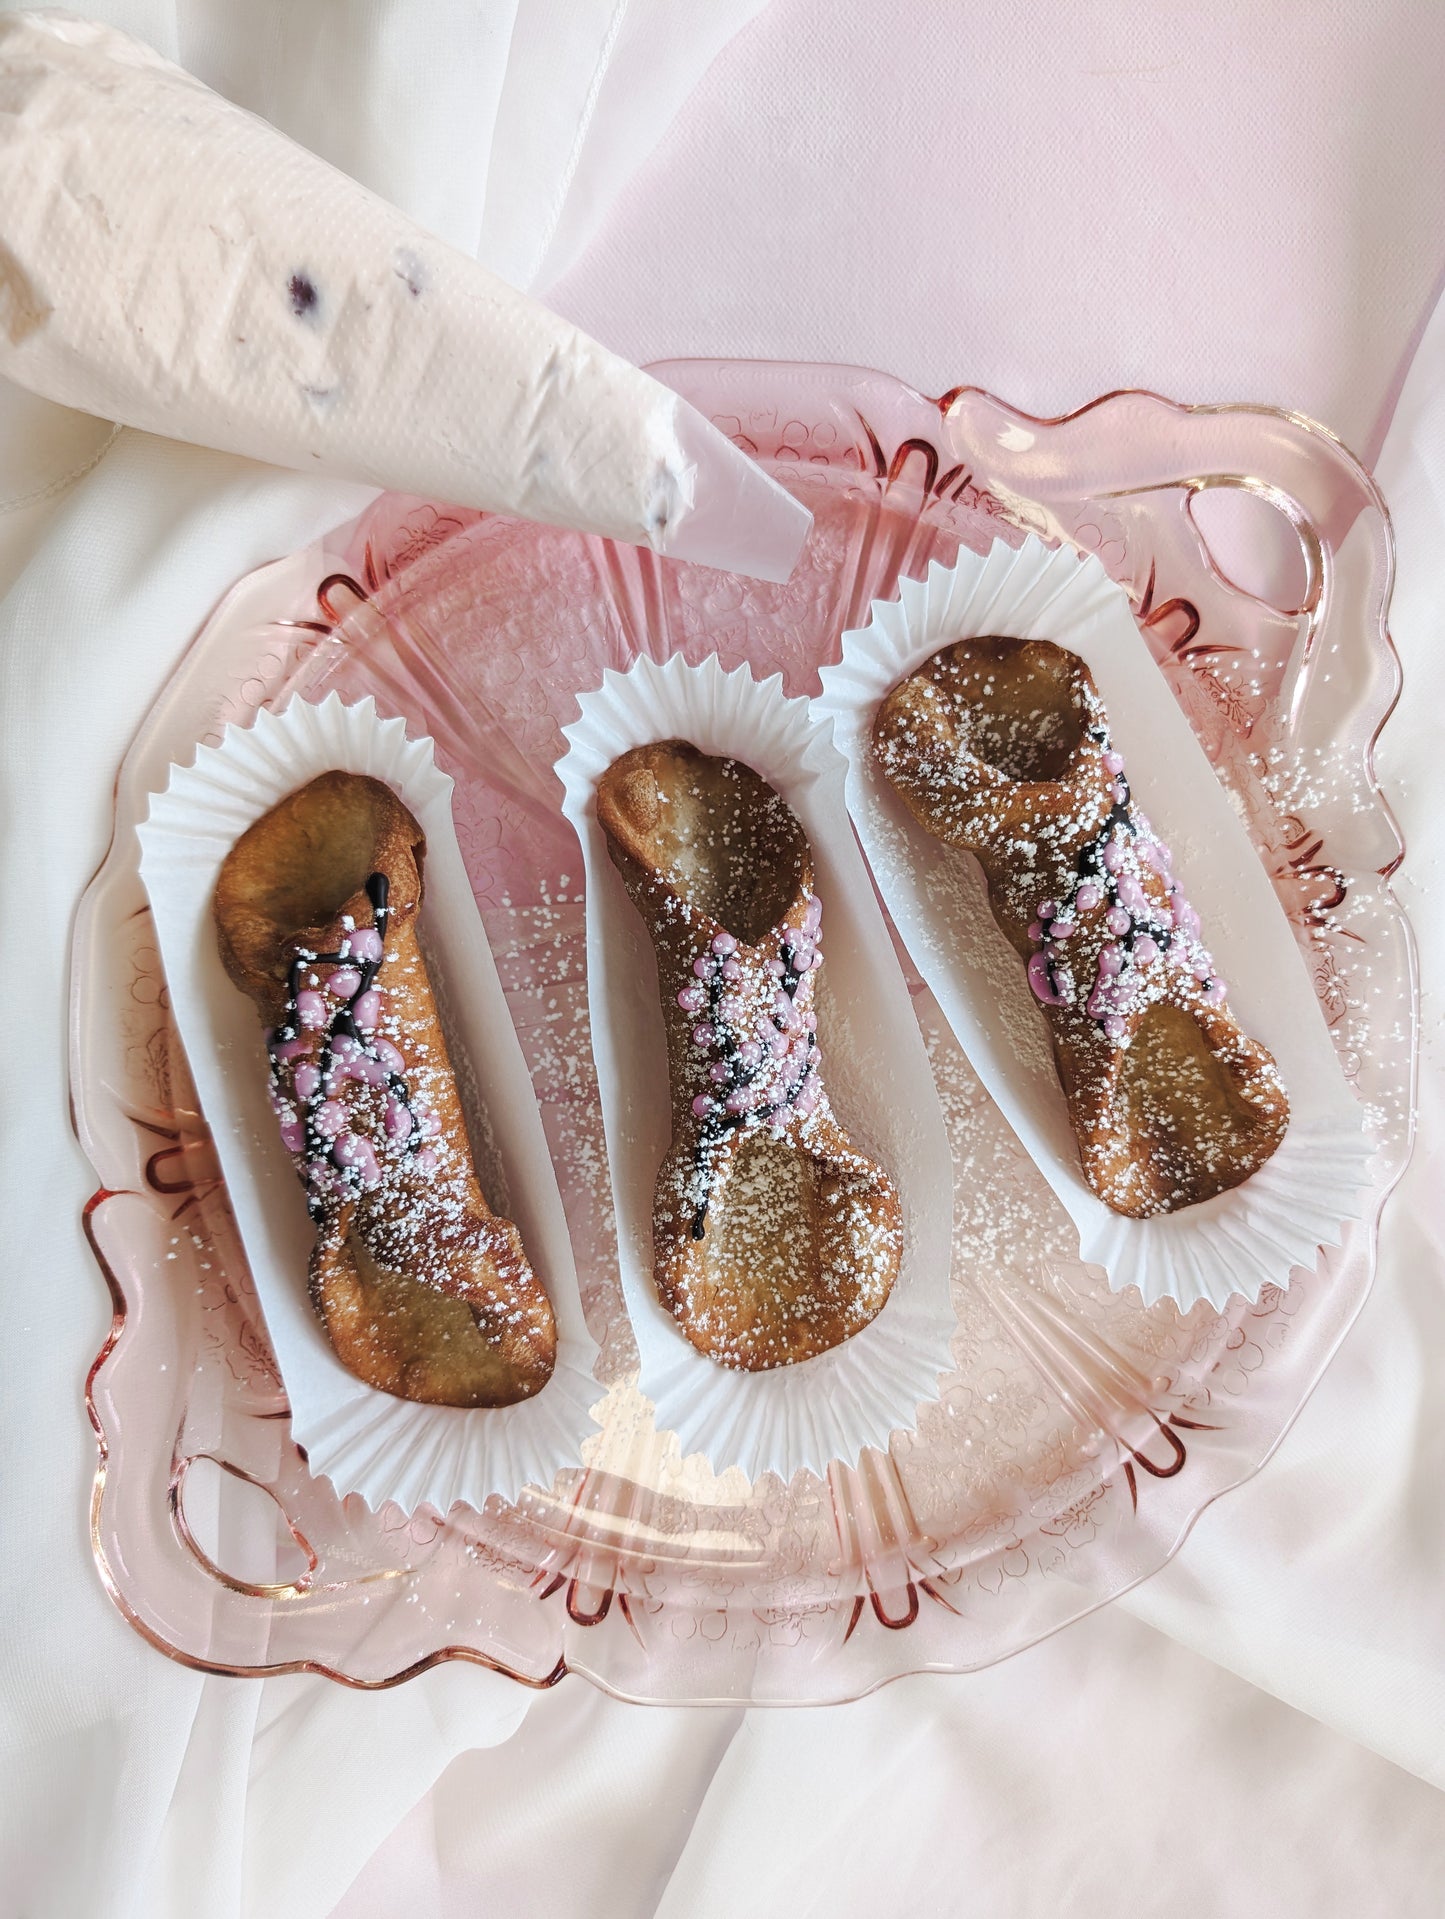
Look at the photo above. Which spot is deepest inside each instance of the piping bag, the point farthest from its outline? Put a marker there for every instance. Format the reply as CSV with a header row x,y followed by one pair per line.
x,y
173,263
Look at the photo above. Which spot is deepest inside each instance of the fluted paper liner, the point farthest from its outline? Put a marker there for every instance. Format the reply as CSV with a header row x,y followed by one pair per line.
x,y
1303,1197
877,1077
362,1440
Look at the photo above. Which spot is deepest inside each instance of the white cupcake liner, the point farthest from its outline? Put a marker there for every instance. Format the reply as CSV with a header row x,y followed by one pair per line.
x,y
363,1441
877,1077
1303,1197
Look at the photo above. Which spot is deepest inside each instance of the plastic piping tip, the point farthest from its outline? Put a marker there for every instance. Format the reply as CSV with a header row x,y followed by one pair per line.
x,y
737,518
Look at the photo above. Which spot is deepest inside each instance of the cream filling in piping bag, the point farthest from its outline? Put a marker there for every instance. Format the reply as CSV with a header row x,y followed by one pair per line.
x,y
170,261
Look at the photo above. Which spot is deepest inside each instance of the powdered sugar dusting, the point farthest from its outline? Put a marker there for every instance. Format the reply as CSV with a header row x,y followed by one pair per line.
x,y
1004,747
774,1238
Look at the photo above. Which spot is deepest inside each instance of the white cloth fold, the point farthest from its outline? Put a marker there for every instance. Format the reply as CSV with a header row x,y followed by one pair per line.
x,y
1107,1773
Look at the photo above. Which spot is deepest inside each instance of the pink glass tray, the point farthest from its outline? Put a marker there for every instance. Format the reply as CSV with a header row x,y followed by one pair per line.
x,y
1080,1435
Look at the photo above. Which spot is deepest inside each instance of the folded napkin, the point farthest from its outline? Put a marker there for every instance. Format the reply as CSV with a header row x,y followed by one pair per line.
x,y
171,262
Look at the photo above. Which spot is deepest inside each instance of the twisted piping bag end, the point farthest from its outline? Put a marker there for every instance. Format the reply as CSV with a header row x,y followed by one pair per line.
x,y
713,506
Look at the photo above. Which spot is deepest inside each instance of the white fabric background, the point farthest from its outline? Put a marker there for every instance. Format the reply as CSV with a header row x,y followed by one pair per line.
x,y
1048,199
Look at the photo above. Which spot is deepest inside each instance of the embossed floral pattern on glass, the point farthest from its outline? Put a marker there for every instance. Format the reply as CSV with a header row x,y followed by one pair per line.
x,y
1079,1434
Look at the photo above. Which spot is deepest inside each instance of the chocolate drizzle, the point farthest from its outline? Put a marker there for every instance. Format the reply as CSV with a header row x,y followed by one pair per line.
x,y
1090,862
768,1087
333,1157
1141,930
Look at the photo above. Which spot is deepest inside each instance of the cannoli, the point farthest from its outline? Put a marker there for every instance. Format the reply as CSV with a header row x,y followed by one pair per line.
x,y
423,1291
1002,746
774,1238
